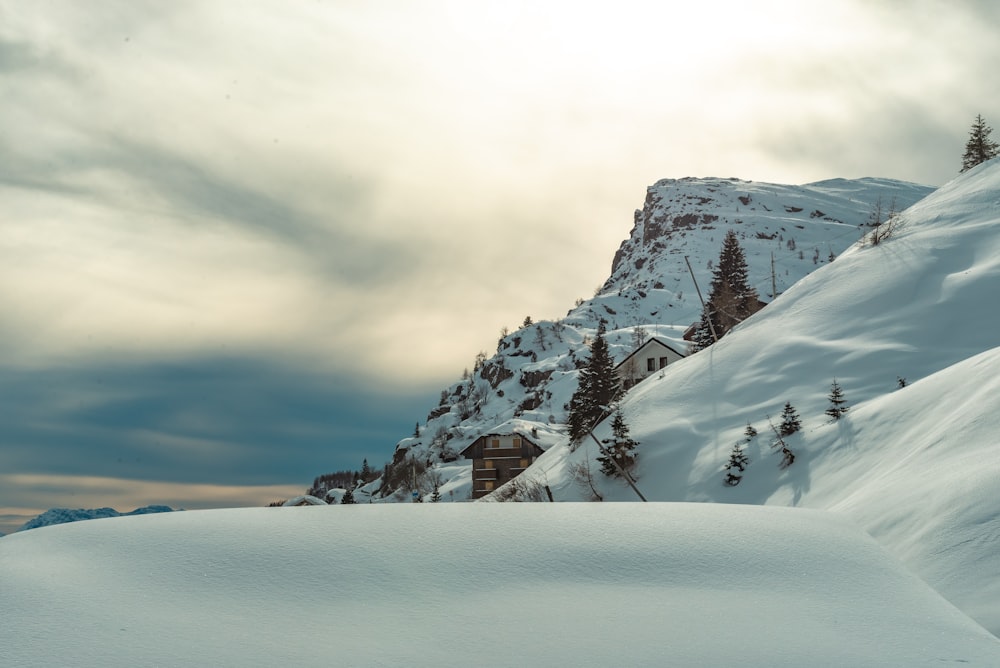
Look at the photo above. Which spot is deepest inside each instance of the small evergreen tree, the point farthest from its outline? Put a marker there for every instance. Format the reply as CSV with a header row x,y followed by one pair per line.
x,y
837,401
366,472
980,147
790,422
738,462
621,449
436,496
750,432
597,388
348,497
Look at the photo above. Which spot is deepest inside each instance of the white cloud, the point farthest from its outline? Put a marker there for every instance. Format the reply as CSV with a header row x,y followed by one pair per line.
x,y
318,178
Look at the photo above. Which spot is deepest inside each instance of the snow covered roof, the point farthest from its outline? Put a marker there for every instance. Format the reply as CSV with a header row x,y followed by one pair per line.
x,y
305,500
652,341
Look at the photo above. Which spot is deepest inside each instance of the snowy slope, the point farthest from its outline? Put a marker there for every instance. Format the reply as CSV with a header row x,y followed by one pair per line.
x,y
461,584
917,467
533,372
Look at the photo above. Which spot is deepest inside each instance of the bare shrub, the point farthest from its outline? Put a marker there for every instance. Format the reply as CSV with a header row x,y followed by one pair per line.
x,y
581,475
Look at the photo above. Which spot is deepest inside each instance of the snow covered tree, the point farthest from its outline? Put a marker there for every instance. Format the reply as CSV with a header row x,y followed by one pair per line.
x,y
436,496
621,449
731,300
738,462
597,388
750,432
790,422
980,147
837,401
348,497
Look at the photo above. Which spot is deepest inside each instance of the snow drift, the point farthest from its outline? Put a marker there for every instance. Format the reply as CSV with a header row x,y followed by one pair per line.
x,y
454,584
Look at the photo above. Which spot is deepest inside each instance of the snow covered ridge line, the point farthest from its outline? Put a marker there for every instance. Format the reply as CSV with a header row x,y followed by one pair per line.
x,y
592,584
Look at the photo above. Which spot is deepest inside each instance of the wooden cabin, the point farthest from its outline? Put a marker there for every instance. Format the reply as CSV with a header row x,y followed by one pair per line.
x,y
497,458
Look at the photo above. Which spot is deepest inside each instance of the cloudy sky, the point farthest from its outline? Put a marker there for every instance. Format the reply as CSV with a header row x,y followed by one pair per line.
x,y
243,245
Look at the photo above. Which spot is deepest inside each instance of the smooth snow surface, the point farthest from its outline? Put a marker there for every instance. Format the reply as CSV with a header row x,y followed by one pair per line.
x,y
473,584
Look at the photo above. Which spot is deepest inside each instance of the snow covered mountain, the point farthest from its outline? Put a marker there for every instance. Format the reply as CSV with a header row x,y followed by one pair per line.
x,y
802,227
914,465
533,372
65,515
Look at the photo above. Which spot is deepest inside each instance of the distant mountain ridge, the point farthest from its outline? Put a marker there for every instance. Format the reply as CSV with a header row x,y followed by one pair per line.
x,y
65,515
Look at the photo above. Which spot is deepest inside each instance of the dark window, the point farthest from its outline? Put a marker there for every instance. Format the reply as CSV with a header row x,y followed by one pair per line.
x,y
651,364
663,362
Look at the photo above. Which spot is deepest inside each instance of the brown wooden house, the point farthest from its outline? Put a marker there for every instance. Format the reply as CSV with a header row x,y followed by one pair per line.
x,y
497,458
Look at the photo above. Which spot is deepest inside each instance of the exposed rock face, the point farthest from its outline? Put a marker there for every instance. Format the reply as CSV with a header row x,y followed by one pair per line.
x,y
805,226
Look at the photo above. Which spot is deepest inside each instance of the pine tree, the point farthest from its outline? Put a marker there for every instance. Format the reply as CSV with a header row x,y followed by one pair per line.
x,y
348,497
597,389
436,496
731,300
750,432
837,401
366,472
790,422
980,147
738,462
621,449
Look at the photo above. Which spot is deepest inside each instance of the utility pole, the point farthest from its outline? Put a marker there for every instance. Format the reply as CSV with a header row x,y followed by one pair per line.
x,y
774,286
625,474
600,446
711,325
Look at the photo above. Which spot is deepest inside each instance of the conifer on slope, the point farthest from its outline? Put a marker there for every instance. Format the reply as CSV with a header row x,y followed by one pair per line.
x,y
980,147
837,401
621,449
597,389
731,299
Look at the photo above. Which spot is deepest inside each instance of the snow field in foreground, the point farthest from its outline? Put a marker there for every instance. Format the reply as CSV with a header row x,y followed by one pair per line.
x,y
454,584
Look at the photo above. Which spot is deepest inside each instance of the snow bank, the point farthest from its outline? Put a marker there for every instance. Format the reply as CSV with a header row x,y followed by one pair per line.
x,y
461,584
